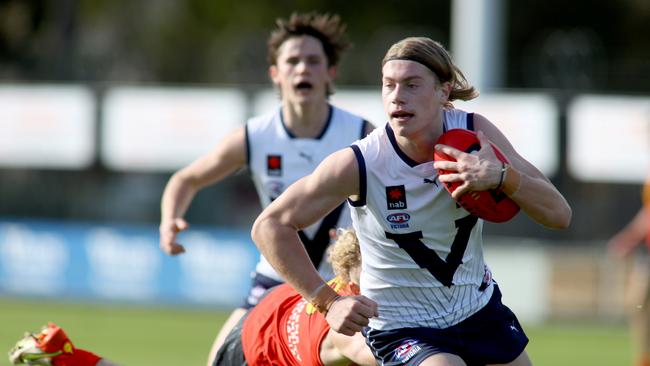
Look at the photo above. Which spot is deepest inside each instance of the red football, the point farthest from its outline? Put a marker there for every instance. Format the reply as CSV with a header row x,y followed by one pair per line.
x,y
492,205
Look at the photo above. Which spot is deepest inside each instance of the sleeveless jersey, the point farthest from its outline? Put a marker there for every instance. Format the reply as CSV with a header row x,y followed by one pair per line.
x,y
277,159
422,253
284,329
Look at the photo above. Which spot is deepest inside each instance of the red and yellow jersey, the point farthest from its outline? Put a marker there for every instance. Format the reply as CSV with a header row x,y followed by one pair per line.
x,y
284,329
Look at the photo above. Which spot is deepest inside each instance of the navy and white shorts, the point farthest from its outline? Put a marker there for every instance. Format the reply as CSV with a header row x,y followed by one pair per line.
x,y
259,285
493,335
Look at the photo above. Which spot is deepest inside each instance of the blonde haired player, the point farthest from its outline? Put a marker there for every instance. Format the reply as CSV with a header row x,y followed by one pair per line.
x,y
284,329
427,297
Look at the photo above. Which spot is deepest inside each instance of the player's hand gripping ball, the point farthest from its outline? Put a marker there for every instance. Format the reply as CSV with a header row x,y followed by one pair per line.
x,y
491,205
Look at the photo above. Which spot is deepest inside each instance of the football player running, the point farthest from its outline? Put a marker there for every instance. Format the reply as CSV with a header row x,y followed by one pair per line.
x,y
279,147
425,293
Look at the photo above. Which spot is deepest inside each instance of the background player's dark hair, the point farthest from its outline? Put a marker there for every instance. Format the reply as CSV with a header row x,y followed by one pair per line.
x,y
327,28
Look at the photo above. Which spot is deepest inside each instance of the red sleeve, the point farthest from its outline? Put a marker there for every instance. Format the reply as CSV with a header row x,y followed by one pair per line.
x,y
284,329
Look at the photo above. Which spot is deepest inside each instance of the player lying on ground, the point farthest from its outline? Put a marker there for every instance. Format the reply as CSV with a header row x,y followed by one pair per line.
x,y
51,346
284,329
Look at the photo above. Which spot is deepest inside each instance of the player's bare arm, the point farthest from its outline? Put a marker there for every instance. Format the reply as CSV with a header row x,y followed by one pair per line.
x,y
522,181
622,244
303,203
225,159
339,349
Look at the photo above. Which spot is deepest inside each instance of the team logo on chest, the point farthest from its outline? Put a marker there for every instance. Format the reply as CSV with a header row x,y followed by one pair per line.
x,y
396,197
274,165
398,220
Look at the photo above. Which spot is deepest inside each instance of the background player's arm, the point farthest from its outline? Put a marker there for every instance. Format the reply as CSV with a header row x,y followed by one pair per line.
x,y
226,158
526,185
621,244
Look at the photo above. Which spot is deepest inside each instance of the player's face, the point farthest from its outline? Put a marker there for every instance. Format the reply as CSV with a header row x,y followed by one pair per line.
x,y
301,72
411,97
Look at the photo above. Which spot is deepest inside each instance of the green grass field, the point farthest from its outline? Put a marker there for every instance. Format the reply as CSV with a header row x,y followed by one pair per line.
x,y
139,336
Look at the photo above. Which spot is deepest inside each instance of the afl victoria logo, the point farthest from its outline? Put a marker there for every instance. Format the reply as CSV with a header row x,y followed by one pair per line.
x,y
398,218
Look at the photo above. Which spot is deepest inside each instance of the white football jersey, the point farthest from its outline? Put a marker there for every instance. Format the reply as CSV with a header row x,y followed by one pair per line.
x,y
422,253
277,159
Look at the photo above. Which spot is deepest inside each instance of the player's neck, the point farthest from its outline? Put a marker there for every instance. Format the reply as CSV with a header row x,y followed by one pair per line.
x,y
305,120
419,145
416,149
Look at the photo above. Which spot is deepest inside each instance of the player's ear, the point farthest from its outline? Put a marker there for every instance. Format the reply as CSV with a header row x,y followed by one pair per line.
x,y
445,90
331,71
273,74
354,288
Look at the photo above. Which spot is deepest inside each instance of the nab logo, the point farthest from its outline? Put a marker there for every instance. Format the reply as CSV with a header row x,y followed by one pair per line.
x,y
396,197
274,165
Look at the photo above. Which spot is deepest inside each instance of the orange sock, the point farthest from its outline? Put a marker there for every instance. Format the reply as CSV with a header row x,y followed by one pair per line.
x,y
644,361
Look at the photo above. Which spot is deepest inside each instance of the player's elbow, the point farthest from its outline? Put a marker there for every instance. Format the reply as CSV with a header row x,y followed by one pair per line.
x,y
559,219
258,229
184,182
262,229
566,218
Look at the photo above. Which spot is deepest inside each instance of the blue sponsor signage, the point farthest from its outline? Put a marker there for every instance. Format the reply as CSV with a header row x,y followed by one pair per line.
x,y
124,263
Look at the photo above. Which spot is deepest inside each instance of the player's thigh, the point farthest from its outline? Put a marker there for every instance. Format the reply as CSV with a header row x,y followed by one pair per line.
x,y
638,286
521,360
443,359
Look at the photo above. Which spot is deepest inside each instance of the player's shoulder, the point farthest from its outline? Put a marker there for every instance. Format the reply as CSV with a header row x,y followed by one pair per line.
x,y
345,114
357,125
373,140
373,149
454,112
263,121
458,118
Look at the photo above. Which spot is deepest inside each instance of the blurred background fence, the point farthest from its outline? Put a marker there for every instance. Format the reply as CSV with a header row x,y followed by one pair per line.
x,y
100,101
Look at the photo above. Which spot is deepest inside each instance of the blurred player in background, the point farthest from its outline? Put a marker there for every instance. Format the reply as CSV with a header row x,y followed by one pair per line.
x,y
427,295
284,329
279,147
637,302
51,346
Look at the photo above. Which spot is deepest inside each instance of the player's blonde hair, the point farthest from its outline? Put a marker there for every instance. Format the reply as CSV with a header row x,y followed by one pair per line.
x,y
345,255
435,57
